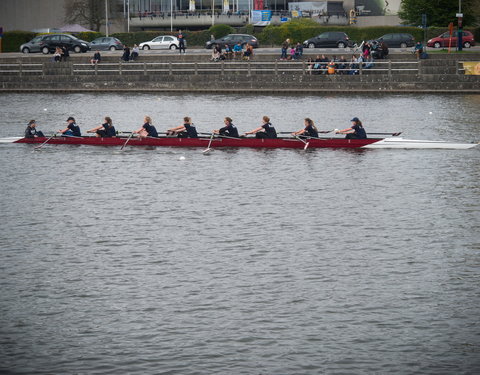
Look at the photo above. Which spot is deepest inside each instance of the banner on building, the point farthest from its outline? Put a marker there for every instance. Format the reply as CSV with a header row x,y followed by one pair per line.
x,y
258,5
192,5
472,68
226,6
261,17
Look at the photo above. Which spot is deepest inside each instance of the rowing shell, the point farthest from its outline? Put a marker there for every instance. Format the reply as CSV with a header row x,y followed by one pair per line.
x,y
394,142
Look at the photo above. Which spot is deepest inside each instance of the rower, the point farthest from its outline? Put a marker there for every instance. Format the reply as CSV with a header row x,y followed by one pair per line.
x,y
72,129
187,130
309,131
356,131
265,131
106,130
31,131
147,129
228,130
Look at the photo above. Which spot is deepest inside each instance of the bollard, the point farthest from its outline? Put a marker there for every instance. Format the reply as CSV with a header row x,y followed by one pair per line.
x,y
120,68
144,69
249,71
223,67
169,68
276,67
389,69
20,69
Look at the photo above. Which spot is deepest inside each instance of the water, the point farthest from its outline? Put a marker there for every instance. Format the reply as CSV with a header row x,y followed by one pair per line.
x,y
240,261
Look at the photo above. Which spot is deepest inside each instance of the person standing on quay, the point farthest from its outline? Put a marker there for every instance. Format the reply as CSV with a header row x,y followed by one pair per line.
x,y
181,42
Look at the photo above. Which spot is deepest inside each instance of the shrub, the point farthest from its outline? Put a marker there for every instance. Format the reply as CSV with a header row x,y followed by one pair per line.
x,y
12,40
221,30
89,36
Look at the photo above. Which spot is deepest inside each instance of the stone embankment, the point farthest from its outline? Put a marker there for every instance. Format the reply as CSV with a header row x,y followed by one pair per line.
x,y
195,73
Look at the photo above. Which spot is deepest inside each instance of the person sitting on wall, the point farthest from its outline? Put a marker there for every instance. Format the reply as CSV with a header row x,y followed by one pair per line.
x,y
418,49
96,58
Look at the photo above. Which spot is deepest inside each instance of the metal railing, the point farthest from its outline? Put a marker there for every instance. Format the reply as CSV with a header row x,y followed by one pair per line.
x,y
221,67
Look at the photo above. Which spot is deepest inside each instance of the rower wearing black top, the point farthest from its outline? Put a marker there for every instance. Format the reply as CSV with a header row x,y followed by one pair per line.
x,y
356,131
187,130
228,130
106,130
72,129
31,131
265,131
309,131
147,129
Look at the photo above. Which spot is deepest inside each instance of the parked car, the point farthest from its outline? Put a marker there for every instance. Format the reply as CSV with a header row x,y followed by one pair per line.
x,y
105,44
332,39
48,43
397,40
443,40
33,45
232,39
161,42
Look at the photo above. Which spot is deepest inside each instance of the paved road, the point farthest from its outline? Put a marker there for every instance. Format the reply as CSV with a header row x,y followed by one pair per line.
x,y
268,50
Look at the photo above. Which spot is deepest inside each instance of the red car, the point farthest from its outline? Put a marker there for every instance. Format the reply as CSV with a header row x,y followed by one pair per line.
x,y
444,40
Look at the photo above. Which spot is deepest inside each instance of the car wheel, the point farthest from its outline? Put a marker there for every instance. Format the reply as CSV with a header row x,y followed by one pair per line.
x,y
403,45
45,50
173,46
146,47
437,45
467,45
77,49
311,45
112,48
26,50
341,45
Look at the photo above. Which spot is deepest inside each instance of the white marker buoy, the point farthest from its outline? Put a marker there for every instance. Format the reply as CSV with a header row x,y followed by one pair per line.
x,y
430,113
45,109
181,158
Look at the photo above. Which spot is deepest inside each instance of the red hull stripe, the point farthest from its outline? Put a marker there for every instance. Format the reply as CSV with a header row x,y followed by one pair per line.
x,y
203,142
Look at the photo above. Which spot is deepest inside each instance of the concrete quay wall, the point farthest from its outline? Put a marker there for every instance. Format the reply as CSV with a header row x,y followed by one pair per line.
x,y
196,74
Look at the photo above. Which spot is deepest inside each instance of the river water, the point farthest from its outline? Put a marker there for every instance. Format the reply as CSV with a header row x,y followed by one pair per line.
x,y
169,261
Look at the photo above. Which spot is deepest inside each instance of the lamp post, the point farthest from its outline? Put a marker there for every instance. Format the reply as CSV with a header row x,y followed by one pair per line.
x,y
213,12
460,32
106,17
128,16
171,16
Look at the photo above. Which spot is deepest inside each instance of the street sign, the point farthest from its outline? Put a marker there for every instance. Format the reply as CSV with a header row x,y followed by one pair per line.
x,y
459,15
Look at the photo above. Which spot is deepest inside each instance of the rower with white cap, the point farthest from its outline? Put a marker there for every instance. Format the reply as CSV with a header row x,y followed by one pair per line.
x,y
31,131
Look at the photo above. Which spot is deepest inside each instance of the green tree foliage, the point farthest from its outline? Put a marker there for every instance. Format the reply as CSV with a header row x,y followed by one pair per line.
x,y
439,12
221,30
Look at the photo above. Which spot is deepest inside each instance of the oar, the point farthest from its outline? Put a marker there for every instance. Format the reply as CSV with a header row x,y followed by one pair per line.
x,y
320,132
301,140
129,137
39,147
392,134
209,143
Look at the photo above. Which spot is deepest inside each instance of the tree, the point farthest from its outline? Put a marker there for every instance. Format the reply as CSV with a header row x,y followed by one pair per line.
x,y
87,12
439,12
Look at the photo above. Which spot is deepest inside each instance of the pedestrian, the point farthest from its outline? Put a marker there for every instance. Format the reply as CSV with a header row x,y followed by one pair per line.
x,y
181,42
126,53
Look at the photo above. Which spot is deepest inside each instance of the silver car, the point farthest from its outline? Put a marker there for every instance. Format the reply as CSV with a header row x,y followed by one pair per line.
x,y
105,44
161,42
33,45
